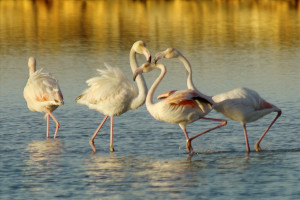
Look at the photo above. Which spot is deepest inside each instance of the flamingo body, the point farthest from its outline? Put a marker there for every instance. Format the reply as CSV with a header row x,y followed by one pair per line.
x,y
112,94
42,90
243,105
42,93
180,107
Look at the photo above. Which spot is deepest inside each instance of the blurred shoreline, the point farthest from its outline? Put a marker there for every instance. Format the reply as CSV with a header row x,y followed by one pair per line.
x,y
113,21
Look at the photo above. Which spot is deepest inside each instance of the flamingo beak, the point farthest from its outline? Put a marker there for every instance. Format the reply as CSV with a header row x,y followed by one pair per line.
x,y
149,59
147,55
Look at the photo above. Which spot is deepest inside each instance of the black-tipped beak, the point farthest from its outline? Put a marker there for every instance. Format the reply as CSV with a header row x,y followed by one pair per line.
x,y
147,55
134,77
149,59
136,73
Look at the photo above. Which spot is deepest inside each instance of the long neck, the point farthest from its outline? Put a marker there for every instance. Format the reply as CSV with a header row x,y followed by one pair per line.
x,y
149,99
31,65
32,69
187,65
189,80
142,87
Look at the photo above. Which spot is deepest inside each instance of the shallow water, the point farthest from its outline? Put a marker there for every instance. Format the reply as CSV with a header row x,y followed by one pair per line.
x,y
229,44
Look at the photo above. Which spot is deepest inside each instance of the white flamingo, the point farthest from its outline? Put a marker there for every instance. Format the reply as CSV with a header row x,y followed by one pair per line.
x,y
113,94
42,93
241,104
180,107
245,105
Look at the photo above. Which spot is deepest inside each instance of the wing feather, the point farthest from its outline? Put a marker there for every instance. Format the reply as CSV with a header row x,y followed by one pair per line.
x,y
44,87
165,94
189,98
110,84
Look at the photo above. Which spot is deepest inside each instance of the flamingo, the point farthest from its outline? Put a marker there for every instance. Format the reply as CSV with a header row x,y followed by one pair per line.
x,y
241,104
174,53
112,94
42,93
180,107
245,105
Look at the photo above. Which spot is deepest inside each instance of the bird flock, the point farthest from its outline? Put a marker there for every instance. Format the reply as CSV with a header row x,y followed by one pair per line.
x,y
112,94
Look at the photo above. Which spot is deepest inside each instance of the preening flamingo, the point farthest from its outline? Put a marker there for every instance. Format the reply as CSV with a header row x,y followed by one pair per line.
x,y
42,93
180,107
113,94
242,104
245,105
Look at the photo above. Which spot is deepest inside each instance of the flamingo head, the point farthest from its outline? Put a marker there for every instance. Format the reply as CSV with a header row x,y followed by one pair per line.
x,y
168,53
140,48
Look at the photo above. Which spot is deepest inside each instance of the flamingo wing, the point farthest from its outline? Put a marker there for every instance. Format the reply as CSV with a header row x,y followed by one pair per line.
x,y
186,98
240,97
242,104
42,89
109,91
166,94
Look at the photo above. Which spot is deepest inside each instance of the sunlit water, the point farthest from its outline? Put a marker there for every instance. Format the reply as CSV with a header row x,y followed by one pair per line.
x,y
229,44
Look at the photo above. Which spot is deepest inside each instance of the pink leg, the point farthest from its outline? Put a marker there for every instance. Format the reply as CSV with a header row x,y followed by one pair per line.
x,y
188,142
47,126
55,120
111,134
246,138
256,146
96,132
224,122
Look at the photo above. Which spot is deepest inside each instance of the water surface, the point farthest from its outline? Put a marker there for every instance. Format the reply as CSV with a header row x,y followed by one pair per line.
x,y
230,44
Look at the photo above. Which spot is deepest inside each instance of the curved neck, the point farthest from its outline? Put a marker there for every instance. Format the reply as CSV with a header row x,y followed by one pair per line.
x,y
142,87
189,80
149,99
187,65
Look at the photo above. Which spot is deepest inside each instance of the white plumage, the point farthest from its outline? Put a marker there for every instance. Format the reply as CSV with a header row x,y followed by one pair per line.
x,y
42,93
241,104
245,105
203,103
180,107
112,94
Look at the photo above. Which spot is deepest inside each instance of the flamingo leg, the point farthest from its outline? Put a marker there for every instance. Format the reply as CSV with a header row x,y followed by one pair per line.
x,y
96,132
188,142
111,134
224,122
47,135
246,138
54,119
256,146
